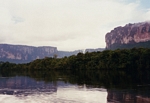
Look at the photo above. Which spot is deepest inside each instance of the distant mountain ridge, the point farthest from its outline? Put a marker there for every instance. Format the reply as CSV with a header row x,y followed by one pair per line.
x,y
129,36
22,53
25,54
94,50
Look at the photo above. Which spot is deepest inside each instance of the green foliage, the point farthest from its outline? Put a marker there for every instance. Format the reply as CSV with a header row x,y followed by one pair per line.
x,y
109,67
130,45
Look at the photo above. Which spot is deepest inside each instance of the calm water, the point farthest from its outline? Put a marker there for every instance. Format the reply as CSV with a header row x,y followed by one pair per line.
x,y
22,89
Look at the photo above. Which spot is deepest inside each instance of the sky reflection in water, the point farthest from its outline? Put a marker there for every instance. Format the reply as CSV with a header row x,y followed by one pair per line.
x,y
27,90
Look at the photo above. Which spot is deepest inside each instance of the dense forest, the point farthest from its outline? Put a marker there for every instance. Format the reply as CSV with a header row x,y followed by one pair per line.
x,y
107,68
130,46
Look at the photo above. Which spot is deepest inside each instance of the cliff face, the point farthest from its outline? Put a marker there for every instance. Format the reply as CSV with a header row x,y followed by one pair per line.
x,y
23,53
129,34
94,50
62,54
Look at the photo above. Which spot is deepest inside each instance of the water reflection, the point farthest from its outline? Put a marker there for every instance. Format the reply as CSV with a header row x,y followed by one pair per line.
x,y
25,86
138,95
60,89
28,90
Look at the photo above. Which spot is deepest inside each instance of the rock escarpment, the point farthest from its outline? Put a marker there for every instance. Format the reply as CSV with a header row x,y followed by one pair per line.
x,y
129,36
94,50
22,54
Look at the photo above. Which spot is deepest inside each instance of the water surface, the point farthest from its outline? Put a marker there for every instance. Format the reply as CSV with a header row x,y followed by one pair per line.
x,y
27,90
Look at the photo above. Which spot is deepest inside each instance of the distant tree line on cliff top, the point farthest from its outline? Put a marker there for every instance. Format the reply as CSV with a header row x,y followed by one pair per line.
x,y
129,45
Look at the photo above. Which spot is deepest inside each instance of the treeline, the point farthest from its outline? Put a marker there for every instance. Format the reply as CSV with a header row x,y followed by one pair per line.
x,y
117,59
108,67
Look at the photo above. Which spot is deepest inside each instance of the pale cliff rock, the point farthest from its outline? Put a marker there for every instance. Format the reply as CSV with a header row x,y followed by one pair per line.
x,y
129,34
23,53
94,50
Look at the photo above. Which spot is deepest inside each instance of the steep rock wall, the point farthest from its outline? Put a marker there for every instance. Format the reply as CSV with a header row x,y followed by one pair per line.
x,y
23,53
129,34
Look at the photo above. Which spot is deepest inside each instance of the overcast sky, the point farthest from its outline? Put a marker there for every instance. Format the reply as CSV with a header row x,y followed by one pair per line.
x,y
67,24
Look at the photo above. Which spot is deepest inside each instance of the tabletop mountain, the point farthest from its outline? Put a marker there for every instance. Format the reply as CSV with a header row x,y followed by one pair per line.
x,y
22,53
129,36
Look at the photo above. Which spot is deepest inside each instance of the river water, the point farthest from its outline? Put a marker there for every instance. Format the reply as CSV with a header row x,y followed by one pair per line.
x,y
23,89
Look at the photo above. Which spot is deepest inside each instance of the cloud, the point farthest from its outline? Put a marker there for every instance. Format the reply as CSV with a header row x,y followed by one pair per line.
x,y
67,24
17,19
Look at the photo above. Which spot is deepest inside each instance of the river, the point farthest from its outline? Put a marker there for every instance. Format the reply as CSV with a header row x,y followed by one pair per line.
x,y
24,89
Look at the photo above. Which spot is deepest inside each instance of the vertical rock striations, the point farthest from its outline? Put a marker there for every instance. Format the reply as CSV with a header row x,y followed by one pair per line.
x,y
21,53
131,35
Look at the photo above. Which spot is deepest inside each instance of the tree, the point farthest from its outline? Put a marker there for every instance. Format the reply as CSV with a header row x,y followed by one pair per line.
x,y
55,56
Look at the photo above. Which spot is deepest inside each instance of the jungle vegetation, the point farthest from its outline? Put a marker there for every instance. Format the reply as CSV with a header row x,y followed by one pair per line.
x,y
108,68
